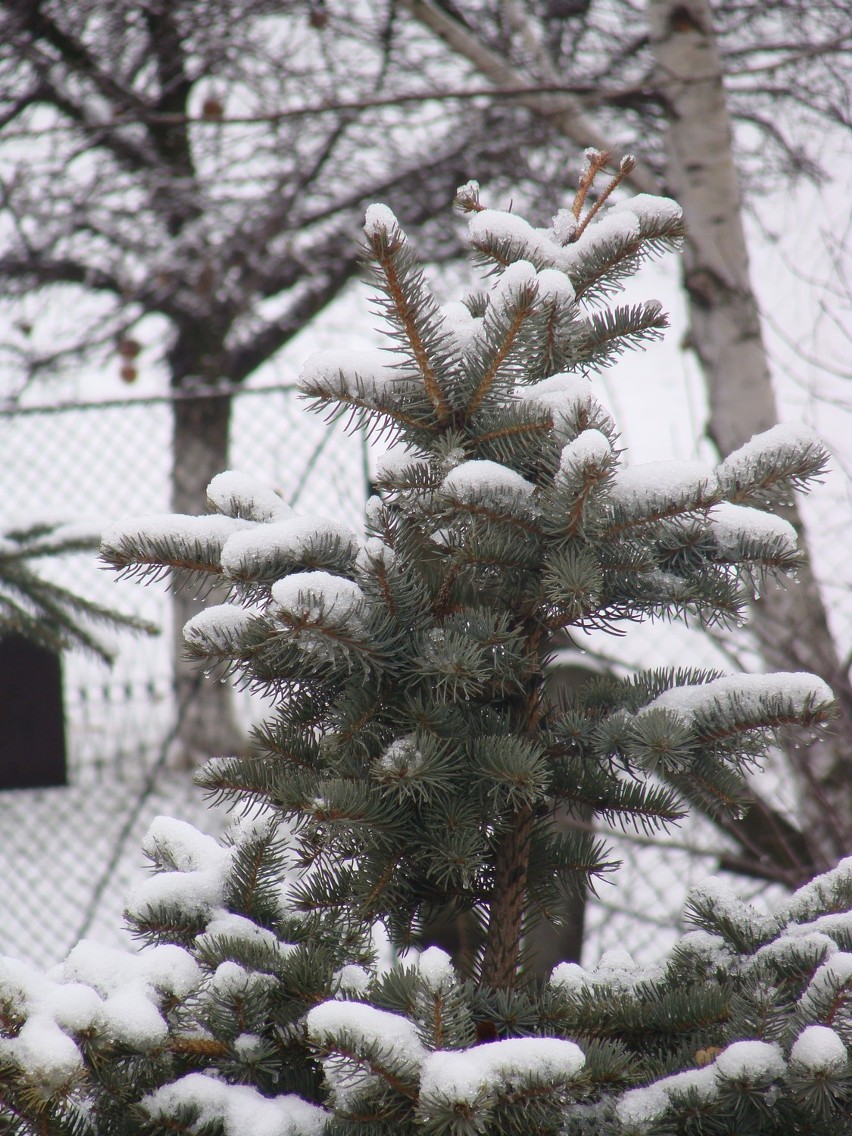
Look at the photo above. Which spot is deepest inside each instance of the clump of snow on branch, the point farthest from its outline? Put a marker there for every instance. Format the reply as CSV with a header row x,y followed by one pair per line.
x,y
237,494
652,486
368,376
368,1025
745,695
567,399
380,219
753,1061
819,1049
480,480
435,968
732,524
219,626
240,1109
256,553
463,1076
319,595
591,448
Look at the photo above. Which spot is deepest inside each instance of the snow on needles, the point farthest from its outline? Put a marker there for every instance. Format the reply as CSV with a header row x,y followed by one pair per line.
x,y
746,695
240,1109
464,1075
819,1049
368,1026
263,550
367,376
320,595
752,1062
478,481
733,524
651,486
239,495
786,437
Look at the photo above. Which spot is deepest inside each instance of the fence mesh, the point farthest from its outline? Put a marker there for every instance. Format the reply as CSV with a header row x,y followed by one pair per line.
x,y
68,856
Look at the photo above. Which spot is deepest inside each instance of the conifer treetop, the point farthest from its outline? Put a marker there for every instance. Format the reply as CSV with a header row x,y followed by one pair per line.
x,y
419,753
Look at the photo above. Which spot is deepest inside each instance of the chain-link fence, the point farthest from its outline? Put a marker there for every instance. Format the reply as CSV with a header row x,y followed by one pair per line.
x,y
68,855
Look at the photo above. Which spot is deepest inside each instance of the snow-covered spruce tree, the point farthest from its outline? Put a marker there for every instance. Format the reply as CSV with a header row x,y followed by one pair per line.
x,y
416,759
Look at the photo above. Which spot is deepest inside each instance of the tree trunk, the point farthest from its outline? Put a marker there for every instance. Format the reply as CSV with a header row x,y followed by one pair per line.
x,y
207,724
506,910
789,622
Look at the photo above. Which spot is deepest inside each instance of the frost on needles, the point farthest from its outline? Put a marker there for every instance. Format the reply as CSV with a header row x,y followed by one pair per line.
x,y
417,756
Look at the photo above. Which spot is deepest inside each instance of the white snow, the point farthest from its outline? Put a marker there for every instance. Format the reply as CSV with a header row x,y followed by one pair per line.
x,y
750,1061
239,1108
320,596
132,987
379,219
230,980
618,961
563,226
164,969
642,1107
219,627
435,967
654,486
460,324
179,530
703,1081
401,756
796,942
194,894
568,976
393,461
489,227
555,286
479,481
236,928
819,1049
564,397
809,899
518,278
834,974
239,494
744,694
620,223
650,208
368,1026
182,844
43,1051
131,1018
786,437
732,523
369,375
352,979
721,898
589,448
462,1075
556,248
248,555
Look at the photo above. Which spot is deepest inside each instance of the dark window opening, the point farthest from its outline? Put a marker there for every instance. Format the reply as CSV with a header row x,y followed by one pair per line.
x,y
32,719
